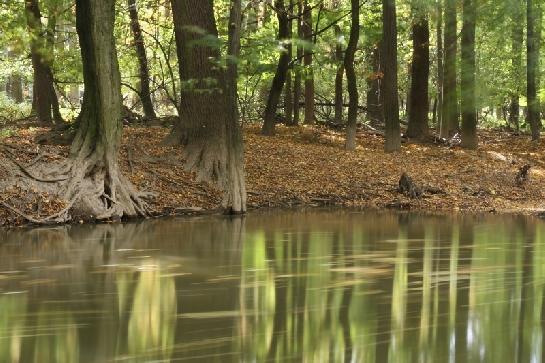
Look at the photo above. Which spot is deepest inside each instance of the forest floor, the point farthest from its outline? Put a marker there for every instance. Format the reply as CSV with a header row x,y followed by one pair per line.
x,y
305,167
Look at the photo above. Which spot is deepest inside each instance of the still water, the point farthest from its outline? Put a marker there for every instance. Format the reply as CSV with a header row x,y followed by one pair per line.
x,y
319,286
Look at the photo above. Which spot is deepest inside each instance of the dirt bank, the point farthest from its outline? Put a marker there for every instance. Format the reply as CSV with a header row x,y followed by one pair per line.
x,y
304,167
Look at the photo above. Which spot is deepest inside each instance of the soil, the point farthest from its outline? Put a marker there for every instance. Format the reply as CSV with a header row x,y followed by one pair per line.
x,y
305,166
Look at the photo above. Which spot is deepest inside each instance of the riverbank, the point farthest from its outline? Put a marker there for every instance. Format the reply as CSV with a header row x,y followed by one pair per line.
x,y
305,167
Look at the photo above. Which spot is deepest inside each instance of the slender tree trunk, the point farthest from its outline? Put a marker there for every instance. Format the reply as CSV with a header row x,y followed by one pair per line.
x,y
450,97
532,70
517,36
374,79
351,76
281,71
390,93
145,92
288,94
440,69
309,72
95,176
469,108
420,71
44,97
14,86
339,101
297,82
208,125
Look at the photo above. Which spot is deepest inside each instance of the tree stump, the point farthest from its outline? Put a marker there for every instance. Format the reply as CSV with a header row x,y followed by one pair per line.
x,y
408,188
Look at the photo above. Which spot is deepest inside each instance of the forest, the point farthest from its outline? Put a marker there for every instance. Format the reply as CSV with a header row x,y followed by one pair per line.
x,y
119,109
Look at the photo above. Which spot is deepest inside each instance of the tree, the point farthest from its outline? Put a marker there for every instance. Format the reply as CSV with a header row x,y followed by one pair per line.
x,y
144,89
450,97
351,76
297,88
306,29
390,93
288,94
95,179
420,71
45,99
517,35
281,70
439,104
532,66
208,127
339,101
469,108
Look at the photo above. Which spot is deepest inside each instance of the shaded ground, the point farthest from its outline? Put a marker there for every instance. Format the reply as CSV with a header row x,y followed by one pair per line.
x,y
304,167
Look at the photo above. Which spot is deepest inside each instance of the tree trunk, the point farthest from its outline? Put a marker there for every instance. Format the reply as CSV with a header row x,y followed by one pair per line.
x,y
96,180
439,104
469,108
450,97
374,79
339,101
145,92
279,79
288,94
14,86
309,72
297,88
517,36
44,97
420,71
351,76
390,93
532,70
208,125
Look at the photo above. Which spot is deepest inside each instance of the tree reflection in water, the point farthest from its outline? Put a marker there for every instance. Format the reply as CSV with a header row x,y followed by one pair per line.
x,y
276,287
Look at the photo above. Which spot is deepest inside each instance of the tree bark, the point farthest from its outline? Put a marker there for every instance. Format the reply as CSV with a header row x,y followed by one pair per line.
x,y
309,72
208,125
420,71
351,76
440,69
339,101
450,97
469,108
390,93
374,79
44,96
517,36
532,69
96,180
145,92
279,79
297,82
288,94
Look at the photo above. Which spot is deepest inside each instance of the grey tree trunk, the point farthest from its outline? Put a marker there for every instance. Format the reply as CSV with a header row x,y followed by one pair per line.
x,y
208,125
279,79
390,90
440,69
351,76
339,99
145,91
517,38
450,122
532,69
309,71
469,108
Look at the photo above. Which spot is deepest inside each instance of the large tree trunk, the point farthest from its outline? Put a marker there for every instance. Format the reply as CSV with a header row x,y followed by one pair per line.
x,y
469,108
351,76
96,182
281,71
44,97
145,92
390,93
309,71
532,70
339,101
288,94
517,36
208,125
420,71
450,96
439,100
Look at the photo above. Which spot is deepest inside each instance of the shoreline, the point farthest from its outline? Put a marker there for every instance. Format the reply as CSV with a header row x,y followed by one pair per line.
x,y
307,167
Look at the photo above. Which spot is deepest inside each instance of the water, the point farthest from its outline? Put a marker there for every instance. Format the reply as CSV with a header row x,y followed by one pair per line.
x,y
320,286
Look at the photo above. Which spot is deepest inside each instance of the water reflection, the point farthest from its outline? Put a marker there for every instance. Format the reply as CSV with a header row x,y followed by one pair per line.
x,y
276,287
